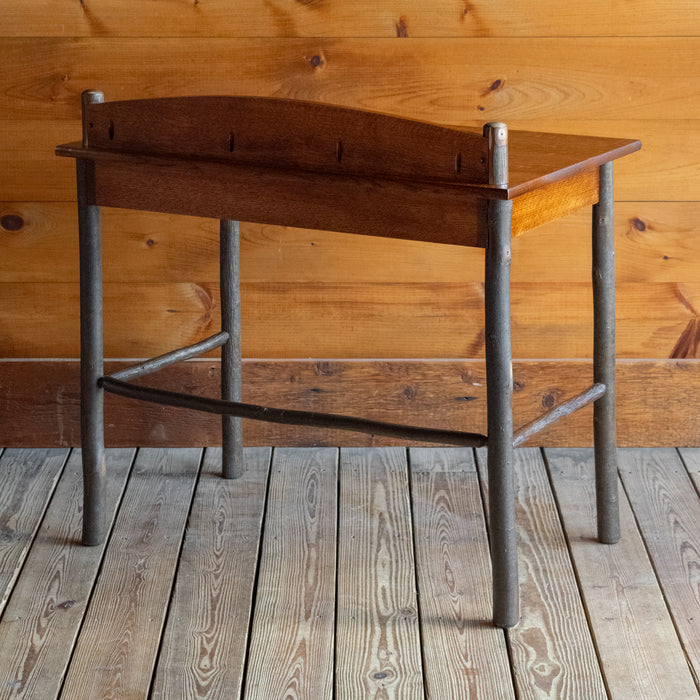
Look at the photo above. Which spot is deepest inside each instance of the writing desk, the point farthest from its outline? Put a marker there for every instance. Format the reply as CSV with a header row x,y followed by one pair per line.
x,y
320,166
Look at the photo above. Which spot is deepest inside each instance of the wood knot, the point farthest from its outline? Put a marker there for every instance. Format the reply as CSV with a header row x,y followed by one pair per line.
x,y
638,224
317,61
410,392
325,369
12,222
401,27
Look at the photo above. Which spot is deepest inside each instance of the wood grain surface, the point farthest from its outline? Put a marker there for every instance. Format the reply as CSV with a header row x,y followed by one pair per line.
x,y
293,626
27,480
655,242
663,498
465,656
661,171
42,619
343,319
507,78
206,636
653,401
639,649
288,135
619,69
391,18
123,624
549,598
378,639
691,458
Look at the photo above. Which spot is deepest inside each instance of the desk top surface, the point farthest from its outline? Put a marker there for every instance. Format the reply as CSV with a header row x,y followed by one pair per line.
x,y
334,141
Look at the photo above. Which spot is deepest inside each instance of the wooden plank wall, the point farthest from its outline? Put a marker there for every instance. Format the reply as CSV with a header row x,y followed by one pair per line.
x,y
608,67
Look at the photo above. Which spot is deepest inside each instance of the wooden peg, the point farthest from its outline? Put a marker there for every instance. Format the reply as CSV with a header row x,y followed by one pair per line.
x,y
89,97
497,134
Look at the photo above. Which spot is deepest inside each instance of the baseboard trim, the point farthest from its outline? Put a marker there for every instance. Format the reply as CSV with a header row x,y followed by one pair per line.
x,y
658,401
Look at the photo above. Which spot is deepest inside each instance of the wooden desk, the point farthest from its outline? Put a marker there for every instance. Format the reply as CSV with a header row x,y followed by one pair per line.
x,y
325,167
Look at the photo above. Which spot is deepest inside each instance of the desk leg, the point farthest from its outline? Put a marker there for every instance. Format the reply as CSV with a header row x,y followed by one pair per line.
x,y
91,362
499,396
231,430
604,425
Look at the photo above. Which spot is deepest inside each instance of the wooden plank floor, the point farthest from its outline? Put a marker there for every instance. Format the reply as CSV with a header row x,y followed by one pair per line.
x,y
345,573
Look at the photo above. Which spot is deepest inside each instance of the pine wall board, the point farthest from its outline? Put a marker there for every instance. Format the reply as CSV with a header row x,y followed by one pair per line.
x,y
361,18
605,68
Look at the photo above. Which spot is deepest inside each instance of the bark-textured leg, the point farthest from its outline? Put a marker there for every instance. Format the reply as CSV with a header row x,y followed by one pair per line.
x,y
91,362
91,350
499,385
604,425
231,428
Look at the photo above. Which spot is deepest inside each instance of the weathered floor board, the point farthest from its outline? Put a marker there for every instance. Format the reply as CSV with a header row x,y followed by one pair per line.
x,y
118,643
691,458
378,639
43,617
668,514
641,655
465,656
204,645
292,629
27,480
351,574
553,653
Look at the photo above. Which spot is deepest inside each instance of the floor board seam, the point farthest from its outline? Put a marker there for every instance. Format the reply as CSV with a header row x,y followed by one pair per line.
x,y
584,602
256,578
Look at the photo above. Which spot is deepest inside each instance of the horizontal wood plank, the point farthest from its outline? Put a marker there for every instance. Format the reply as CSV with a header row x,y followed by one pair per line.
x,y
391,18
389,319
655,242
636,641
296,135
546,79
656,401
375,207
